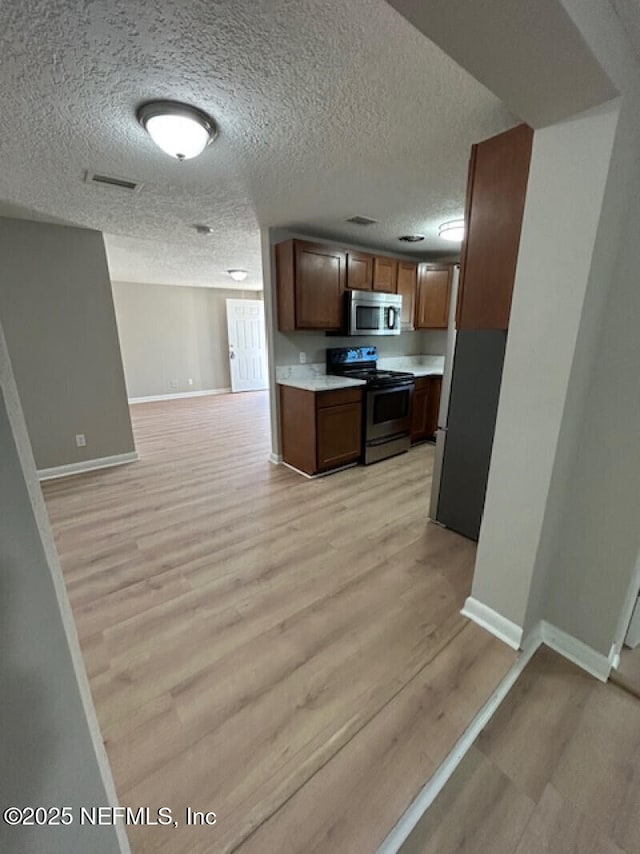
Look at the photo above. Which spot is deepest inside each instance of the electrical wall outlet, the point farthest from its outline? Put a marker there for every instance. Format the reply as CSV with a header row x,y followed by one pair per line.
x,y
81,440
173,385
303,358
190,381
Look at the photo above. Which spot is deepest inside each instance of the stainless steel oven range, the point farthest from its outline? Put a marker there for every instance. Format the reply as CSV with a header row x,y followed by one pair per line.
x,y
387,401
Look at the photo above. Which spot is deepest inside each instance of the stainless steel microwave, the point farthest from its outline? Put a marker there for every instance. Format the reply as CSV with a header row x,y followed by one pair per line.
x,y
373,313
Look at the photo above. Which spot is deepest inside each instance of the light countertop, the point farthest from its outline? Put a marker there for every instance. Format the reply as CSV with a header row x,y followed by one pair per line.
x,y
420,366
326,382
425,371
313,377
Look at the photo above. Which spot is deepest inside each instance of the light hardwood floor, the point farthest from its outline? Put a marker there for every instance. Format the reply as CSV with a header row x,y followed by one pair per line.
x,y
287,653
628,673
557,770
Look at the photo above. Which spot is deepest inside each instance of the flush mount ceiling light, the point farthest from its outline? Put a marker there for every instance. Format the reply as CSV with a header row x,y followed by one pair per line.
x,y
453,230
238,275
179,130
411,238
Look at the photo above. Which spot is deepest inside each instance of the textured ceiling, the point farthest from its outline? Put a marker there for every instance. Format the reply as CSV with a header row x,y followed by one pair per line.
x,y
628,12
326,108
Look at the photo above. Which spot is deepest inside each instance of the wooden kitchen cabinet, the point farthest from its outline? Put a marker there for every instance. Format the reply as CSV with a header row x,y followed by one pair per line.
x,y
407,288
320,430
339,438
496,190
310,282
426,405
385,274
359,271
434,296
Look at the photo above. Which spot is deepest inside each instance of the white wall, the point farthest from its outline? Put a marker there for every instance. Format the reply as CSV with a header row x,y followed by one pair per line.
x,y
170,334
567,180
595,541
57,312
560,535
314,344
531,55
52,752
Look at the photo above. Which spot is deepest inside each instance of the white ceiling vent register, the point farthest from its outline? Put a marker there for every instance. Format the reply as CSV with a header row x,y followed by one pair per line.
x,y
112,181
362,220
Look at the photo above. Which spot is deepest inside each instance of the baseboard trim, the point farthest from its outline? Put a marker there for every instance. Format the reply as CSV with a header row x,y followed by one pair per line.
x,y
276,459
153,398
493,622
87,465
595,663
432,789
299,471
320,473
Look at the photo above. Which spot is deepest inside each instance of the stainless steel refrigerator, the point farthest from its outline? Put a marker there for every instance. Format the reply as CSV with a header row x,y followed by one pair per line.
x,y
466,424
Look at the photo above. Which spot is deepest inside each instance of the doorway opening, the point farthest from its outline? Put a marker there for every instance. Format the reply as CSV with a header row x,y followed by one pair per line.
x,y
247,346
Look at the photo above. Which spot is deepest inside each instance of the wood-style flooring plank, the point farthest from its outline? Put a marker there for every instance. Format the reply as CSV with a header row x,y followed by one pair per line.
x,y
557,827
627,675
599,771
353,802
536,721
478,811
567,744
243,626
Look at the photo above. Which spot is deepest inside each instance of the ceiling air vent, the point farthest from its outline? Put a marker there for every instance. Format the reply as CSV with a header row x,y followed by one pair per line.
x,y
362,220
112,181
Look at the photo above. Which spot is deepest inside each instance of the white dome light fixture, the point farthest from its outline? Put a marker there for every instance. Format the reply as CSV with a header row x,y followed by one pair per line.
x,y
453,230
238,275
179,130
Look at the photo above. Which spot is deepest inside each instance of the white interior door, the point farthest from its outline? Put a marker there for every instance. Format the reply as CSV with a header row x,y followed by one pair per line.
x,y
247,351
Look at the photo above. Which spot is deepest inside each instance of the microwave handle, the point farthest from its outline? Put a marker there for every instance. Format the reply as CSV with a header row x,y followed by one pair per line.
x,y
391,322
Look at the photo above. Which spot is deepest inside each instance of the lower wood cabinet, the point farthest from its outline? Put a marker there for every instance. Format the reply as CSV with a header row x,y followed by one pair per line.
x,y
426,404
320,430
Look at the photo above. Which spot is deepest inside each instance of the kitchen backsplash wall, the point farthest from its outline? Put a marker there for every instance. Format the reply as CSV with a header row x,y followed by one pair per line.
x,y
314,345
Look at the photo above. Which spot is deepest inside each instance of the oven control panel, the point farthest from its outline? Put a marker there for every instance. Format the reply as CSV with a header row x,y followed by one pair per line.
x,y
351,355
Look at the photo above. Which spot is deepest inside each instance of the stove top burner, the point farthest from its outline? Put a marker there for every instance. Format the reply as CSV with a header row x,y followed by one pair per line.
x,y
376,377
361,363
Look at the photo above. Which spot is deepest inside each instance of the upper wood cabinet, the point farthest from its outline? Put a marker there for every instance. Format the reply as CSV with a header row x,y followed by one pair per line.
x,y
310,281
407,286
385,274
496,189
359,271
434,296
